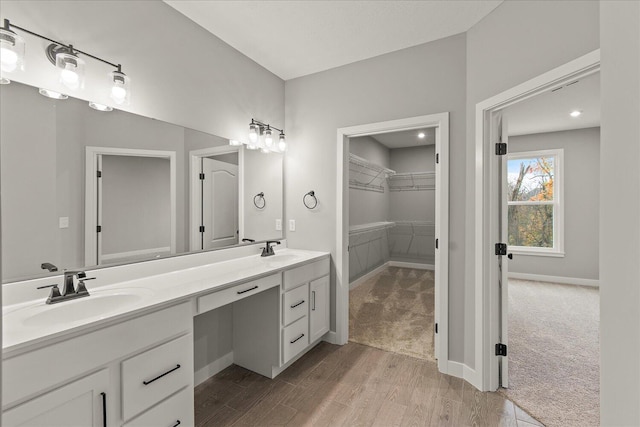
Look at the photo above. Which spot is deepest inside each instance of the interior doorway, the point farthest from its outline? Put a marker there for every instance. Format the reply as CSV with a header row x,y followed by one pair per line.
x,y
439,123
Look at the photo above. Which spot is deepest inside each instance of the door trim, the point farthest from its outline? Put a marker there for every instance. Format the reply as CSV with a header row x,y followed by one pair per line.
x,y
92,159
195,201
441,123
486,215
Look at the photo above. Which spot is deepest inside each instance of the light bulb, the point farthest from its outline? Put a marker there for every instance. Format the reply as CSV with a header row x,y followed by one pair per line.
x,y
268,139
120,87
11,50
253,133
575,113
118,93
71,70
421,135
9,59
282,143
69,76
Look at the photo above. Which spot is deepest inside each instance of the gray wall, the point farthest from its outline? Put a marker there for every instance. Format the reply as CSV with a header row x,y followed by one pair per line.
x,y
264,173
369,206
425,79
620,214
581,204
136,204
516,42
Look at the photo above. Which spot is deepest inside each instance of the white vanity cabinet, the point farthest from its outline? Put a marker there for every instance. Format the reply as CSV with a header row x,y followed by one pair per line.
x,y
319,308
99,375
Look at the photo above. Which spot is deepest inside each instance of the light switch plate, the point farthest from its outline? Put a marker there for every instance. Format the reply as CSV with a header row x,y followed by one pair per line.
x,y
292,225
63,222
278,225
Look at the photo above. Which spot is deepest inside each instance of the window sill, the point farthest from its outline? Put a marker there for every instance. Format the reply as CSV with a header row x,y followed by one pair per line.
x,y
537,253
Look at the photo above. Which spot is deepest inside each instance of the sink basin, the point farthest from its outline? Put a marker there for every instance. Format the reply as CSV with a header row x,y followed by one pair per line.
x,y
99,304
281,258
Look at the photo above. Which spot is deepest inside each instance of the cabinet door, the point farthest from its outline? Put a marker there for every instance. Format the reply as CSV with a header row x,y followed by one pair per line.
x,y
80,403
319,308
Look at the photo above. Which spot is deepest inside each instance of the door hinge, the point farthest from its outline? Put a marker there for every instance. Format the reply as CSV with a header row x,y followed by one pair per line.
x,y
99,174
98,229
501,148
436,243
436,327
501,349
202,176
501,248
202,228
437,157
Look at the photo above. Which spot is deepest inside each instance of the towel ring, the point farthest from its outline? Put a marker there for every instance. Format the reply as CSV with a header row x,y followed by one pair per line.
x,y
311,194
256,200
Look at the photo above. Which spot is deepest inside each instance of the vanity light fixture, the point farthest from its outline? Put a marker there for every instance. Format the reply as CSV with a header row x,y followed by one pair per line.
x,y
52,94
66,58
261,137
100,107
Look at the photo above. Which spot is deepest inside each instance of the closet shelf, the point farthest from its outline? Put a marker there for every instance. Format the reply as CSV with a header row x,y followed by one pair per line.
x,y
372,226
365,175
412,181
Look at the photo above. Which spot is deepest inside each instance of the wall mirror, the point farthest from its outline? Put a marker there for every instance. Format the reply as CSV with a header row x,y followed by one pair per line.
x,y
84,188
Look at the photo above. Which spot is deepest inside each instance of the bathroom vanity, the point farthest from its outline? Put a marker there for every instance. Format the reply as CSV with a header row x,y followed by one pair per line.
x,y
124,356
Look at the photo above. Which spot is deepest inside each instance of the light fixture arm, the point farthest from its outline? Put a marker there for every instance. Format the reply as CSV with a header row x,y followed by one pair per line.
x,y
9,25
265,125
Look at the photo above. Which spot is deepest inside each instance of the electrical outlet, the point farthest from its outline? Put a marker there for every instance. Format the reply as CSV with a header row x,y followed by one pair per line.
x,y
292,225
63,222
278,225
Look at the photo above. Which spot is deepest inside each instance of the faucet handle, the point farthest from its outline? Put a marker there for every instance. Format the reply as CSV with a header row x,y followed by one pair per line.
x,y
82,289
55,292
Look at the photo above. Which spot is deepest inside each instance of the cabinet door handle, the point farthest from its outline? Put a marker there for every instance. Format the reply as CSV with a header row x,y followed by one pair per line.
x,y
247,290
297,339
104,409
176,424
297,304
161,375
313,300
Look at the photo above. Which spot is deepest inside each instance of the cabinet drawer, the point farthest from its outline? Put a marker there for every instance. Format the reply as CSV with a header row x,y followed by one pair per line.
x,y
155,374
296,304
175,411
234,293
305,273
295,338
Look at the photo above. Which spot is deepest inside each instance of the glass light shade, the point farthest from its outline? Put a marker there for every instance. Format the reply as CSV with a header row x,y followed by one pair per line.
x,y
71,70
11,51
282,143
235,142
52,94
120,87
268,138
100,107
253,133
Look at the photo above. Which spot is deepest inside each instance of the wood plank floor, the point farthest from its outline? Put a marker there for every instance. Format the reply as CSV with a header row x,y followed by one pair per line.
x,y
351,385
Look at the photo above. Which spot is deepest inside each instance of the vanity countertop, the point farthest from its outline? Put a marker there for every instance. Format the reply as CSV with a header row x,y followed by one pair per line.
x,y
33,322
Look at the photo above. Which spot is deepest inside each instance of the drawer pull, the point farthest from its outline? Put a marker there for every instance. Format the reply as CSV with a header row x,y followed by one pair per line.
x,y
297,339
160,376
176,424
297,304
104,409
247,290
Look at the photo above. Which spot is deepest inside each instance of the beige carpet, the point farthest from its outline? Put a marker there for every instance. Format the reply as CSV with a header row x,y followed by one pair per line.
x,y
394,311
554,370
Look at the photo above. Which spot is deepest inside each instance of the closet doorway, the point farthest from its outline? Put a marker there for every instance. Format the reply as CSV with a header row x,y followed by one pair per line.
x,y
393,225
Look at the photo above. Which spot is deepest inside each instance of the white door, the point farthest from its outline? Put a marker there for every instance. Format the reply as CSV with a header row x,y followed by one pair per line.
x,y
319,308
503,261
219,204
81,403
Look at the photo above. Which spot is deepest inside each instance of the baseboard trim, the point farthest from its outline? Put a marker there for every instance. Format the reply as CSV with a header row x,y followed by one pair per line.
x,y
555,279
206,372
460,370
415,265
360,280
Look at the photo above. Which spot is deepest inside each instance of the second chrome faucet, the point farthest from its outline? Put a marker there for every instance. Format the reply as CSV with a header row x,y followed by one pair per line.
x,y
69,291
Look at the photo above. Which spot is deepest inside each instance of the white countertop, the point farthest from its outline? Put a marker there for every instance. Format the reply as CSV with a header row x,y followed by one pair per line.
x,y
21,331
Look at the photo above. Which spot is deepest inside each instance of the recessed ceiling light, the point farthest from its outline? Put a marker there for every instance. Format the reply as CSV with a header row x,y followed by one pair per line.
x,y
100,107
421,135
52,94
575,113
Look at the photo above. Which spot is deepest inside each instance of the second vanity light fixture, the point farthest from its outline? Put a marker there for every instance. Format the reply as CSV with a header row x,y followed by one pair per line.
x,y
261,138
66,59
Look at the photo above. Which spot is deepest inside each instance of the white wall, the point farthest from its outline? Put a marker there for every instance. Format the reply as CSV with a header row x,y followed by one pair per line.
x,y
425,79
620,214
516,42
581,204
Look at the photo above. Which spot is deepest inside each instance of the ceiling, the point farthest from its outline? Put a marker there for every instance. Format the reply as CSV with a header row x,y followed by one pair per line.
x,y
549,112
406,138
296,38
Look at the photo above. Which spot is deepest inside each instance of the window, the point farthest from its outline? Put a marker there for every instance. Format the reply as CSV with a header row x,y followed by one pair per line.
x,y
534,199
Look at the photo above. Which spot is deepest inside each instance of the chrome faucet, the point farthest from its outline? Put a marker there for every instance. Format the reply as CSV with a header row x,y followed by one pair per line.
x,y
268,249
69,291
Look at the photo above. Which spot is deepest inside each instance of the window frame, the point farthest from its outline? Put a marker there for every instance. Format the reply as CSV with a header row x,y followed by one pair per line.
x,y
558,203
